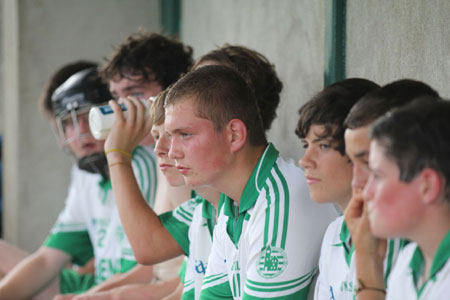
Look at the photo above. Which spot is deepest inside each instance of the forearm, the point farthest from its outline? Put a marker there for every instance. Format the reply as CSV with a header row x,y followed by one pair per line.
x,y
142,226
370,277
32,274
141,291
139,274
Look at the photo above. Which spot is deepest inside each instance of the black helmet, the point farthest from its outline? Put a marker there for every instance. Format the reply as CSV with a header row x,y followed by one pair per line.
x,y
80,91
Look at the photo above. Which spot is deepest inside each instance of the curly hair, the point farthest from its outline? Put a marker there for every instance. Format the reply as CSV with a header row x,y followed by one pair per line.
x,y
150,55
256,70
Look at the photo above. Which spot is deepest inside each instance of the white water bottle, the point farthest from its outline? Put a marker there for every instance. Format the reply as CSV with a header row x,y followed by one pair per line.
x,y
101,118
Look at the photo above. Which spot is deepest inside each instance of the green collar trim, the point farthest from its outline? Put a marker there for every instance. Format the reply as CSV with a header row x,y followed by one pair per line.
x,y
209,213
255,183
417,263
345,238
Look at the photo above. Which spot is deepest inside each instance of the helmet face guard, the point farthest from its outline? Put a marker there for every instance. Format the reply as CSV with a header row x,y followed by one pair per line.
x,y
71,103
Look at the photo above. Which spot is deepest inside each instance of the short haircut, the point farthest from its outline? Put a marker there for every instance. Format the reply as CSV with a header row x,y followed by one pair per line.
x,y
257,71
330,108
152,56
220,94
58,78
416,137
380,101
157,111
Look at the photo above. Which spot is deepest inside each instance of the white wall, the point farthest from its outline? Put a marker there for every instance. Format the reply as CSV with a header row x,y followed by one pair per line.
x,y
49,33
290,33
389,40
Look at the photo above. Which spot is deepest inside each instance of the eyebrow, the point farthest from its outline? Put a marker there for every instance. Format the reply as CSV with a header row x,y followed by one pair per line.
x,y
362,154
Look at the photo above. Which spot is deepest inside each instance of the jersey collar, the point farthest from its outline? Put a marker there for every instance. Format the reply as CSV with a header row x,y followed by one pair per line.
x,y
345,237
250,193
417,263
209,213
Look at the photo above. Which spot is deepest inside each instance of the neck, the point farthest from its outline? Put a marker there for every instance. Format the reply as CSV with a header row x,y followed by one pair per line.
x,y
239,172
210,194
432,232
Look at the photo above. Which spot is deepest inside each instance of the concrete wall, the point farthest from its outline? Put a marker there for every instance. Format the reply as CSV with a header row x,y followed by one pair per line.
x,y
290,33
389,40
38,37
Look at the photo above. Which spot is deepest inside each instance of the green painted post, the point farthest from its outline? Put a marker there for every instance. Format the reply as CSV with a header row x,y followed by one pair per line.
x,y
335,40
171,17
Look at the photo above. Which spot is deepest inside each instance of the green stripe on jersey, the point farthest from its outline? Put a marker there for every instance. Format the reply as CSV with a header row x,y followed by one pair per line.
x,y
141,157
302,282
286,206
220,291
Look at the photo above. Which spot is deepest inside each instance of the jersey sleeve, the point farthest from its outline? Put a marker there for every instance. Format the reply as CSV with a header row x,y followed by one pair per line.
x,y
70,233
178,221
145,172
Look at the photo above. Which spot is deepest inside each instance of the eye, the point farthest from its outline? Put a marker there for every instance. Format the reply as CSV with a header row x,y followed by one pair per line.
x,y
185,135
138,95
304,145
155,136
324,146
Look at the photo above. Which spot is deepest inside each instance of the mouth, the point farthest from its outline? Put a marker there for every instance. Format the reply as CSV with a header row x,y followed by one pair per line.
x,y
183,170
164,167
311,180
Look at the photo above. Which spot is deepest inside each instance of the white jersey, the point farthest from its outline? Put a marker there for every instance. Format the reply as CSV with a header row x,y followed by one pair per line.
x,y
90,225
337,269
405,282
191,225
268,246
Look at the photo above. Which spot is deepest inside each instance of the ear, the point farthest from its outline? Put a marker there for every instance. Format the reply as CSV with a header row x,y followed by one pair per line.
x,y
237,134
431,185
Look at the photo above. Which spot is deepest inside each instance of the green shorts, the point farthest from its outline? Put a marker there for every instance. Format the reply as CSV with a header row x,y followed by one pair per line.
x,y
70,282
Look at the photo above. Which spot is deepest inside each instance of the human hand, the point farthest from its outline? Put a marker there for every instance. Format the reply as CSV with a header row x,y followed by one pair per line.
x,y
126,133
357,220
65,297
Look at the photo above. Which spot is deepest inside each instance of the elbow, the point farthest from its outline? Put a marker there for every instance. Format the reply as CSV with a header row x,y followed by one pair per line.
x,y
144,257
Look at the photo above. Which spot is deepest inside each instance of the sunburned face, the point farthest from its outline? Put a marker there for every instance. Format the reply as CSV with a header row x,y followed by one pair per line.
x,y
166,164
200,151
79,138
328,173
133,86
357,146
394,206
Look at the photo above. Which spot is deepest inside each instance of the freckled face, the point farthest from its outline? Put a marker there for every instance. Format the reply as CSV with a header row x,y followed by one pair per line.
x,y
328,173
201,153
394,206
166,164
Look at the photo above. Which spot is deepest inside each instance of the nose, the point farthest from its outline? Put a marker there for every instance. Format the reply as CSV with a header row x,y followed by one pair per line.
x,y
175,149
162,146
307,161
368,189
359,177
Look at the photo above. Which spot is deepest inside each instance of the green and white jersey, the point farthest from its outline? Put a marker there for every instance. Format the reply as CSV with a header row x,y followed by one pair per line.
x,y
406,280
90,225
191,225
268,246
337,269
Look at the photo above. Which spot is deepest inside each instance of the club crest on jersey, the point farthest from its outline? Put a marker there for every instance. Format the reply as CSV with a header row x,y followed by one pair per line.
x,y
272,262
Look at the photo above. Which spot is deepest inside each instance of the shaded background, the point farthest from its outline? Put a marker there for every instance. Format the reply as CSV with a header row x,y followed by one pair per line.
x,y
311,42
